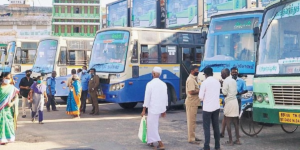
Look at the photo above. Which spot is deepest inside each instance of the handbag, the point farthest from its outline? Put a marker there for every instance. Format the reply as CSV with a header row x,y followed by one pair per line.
x,y
143,130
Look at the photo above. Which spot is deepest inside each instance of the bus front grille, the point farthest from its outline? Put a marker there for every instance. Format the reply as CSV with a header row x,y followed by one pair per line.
x,y
286,95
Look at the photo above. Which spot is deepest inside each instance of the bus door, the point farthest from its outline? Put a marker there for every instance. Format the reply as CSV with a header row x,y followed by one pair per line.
x,y
190,55
62,69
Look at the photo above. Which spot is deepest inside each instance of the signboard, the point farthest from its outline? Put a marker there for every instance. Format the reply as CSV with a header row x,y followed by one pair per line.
x,y
181,13
234,25
17,1
117,15
7,35
217,6
144,13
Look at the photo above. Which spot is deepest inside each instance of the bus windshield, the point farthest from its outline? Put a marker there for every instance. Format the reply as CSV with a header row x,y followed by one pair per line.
x,y
8,58
109,51
230,41
45,57
279,48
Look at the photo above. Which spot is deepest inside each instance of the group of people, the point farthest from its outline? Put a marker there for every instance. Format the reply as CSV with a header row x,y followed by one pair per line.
x,y
232,87
82,83
36,94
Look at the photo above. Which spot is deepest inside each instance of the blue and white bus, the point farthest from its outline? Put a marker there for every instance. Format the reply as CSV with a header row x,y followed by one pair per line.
x,y
124,59
230,44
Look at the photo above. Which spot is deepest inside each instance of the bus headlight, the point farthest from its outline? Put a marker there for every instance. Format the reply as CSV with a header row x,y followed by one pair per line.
x,y
113,87
118,86
247,95
266,97
259,98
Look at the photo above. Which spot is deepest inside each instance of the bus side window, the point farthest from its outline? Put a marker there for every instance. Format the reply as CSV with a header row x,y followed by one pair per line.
x,y
149,54
199,54
18,56
76,57
63,56
134,57
168,54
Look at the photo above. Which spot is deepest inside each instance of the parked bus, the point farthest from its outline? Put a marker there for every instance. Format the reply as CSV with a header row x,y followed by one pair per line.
x,y
61,54
18,57
124,59
230,44
277,78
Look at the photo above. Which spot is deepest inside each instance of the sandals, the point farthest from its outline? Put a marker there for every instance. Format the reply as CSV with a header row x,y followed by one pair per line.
x,y
228,143
160,148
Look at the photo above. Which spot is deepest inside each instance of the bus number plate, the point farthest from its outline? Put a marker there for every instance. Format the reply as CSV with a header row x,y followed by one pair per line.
x,y
287,117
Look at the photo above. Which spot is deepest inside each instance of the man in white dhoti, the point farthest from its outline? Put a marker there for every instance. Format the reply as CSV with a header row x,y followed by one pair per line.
x,y
231,108
156,100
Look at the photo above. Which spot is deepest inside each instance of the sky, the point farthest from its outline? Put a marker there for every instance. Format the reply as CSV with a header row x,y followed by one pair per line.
x,y
49,2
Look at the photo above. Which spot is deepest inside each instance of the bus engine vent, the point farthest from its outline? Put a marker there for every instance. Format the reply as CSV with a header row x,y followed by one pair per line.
x,y
286,95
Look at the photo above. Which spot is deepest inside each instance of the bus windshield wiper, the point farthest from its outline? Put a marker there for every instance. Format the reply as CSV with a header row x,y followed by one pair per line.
x,y
274,15
213,65
99,64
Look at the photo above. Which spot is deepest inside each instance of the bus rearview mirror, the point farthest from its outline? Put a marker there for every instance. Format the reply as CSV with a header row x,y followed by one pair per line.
x,y
203,37
256,34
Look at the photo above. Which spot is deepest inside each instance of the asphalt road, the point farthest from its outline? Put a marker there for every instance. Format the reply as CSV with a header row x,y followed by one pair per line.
x,y
117,129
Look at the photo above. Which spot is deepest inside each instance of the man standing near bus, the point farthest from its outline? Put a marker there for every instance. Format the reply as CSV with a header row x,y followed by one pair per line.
x,y
156,101
85,78
231,108
92,87
241,89
51,92
25,85
192,102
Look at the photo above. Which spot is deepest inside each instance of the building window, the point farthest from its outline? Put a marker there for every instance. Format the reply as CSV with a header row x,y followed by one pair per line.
x,y
77,10
69,9
76,30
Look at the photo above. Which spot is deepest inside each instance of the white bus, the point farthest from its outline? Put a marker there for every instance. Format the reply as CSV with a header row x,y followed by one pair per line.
x,y
61,54
124,59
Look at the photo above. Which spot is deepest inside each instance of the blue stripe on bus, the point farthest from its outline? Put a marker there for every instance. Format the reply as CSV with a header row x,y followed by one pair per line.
x,y
136,91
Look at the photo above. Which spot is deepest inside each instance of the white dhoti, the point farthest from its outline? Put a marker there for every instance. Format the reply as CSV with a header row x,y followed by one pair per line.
x,y
231,108
152,128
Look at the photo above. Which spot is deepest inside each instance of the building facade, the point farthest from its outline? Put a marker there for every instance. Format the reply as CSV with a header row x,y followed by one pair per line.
x,y
76,18
24,22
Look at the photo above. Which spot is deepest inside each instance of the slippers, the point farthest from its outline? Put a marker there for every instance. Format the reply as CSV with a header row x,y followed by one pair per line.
x,y
237,143
229,143
194,142
196,139
221,135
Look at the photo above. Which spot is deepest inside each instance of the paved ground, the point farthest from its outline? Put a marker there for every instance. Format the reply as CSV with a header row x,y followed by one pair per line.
x,y
116,129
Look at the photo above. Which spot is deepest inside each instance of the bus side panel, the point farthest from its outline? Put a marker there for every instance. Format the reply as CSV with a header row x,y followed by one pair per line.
x,y
134,90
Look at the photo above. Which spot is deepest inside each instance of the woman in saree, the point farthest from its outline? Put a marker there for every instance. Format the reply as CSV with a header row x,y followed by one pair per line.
x,y
38,97
73,101
7,97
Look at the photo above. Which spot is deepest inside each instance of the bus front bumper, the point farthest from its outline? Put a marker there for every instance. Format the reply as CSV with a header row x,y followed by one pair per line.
x,y
276,115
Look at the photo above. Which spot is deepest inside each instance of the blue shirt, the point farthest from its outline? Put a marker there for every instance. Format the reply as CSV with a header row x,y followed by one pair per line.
x,y
85,78
241,86
51,82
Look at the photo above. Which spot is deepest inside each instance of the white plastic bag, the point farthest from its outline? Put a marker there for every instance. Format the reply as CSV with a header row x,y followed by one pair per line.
x,y
143,130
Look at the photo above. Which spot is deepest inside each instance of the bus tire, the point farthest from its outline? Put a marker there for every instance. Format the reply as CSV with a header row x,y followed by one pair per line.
x,y
64,98
128,105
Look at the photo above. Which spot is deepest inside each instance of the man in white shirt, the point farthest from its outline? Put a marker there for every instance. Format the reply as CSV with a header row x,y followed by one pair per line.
x,y
156,100
231,108
209,94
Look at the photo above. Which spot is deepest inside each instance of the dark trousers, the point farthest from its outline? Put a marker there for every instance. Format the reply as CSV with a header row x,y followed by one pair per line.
x,y
94,99
83,100
41,116
214,118
51,101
